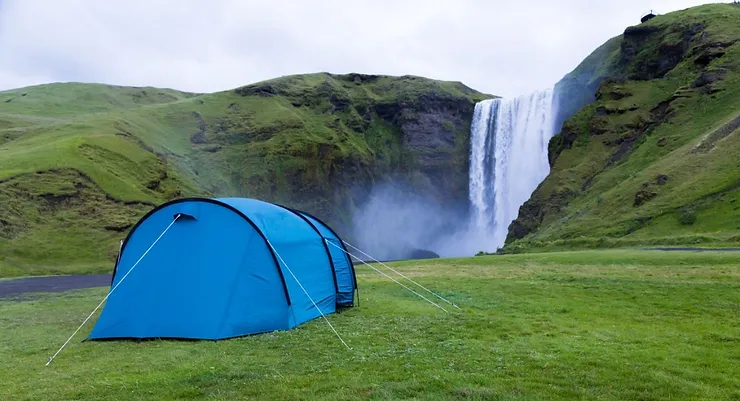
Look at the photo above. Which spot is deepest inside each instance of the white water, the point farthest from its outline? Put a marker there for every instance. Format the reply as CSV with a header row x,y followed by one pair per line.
x,y
508,160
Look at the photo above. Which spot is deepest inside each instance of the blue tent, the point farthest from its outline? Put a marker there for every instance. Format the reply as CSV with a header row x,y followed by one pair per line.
x,y
226,267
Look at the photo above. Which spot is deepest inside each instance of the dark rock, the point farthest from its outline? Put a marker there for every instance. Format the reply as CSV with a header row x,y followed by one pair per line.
x,y
200,136
711,51
643,196
709,77
633,38
423,254
648,65
264,90
598,126
662,141
429,129
610,90
670,54
708,55
661,179
625,143
339,103
533,210
660,112
356,78
530,217
560,142
388,111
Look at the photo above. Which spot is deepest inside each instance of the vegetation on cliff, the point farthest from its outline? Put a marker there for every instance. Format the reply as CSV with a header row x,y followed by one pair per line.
x,y
80,163
653,160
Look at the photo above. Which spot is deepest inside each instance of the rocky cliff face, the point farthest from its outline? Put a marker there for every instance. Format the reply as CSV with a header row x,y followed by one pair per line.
x,y
377,129
434,136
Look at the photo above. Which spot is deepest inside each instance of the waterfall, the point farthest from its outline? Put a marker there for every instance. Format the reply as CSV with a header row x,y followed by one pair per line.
x,y
508,160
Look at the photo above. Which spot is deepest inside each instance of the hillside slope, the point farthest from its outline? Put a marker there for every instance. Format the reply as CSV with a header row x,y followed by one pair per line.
x,y
81,163
654,158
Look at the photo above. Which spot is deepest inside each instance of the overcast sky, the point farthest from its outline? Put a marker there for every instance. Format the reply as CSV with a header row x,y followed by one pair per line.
x,y
500,47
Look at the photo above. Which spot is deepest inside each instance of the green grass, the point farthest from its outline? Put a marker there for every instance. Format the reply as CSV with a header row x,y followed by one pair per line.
x,y
627,325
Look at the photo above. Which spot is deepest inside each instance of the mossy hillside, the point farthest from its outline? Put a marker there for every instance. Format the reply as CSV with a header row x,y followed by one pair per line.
x,y
315,141
60,100
653,159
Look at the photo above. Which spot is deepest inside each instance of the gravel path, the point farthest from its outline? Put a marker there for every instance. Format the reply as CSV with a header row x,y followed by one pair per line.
x,y
21,286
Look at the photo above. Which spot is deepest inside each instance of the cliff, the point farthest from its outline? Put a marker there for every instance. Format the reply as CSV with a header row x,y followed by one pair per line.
x,y
650,157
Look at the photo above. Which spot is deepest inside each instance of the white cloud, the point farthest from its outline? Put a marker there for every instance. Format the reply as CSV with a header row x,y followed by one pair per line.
x,y
505,48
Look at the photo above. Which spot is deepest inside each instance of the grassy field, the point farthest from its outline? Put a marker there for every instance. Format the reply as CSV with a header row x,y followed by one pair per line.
x,y
596,325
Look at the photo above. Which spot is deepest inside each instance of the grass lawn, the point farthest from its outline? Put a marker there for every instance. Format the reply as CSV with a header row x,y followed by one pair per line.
x,y
618,324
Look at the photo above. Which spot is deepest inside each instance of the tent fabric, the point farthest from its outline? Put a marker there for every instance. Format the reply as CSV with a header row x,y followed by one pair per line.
x,y
227,267
342,264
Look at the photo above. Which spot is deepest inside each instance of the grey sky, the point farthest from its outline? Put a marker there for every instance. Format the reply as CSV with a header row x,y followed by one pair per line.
x,y
501,47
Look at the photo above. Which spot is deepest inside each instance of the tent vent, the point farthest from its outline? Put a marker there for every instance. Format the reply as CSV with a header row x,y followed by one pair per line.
x,y
183,217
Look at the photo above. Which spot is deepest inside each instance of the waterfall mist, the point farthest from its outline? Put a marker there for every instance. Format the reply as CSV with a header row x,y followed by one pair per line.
x,y
396,223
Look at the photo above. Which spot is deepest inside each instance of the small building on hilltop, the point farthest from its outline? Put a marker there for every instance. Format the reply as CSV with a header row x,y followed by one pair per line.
x,y
647,17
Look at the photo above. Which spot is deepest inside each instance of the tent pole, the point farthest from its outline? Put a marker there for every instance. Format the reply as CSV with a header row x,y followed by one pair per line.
x,y
399,273
394,280
111,291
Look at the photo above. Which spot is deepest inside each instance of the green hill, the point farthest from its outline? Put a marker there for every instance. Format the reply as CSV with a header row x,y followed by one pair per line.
x,y
652,158
81,163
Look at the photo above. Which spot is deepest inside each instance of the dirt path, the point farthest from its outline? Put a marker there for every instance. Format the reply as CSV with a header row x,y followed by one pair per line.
x,y
21,286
